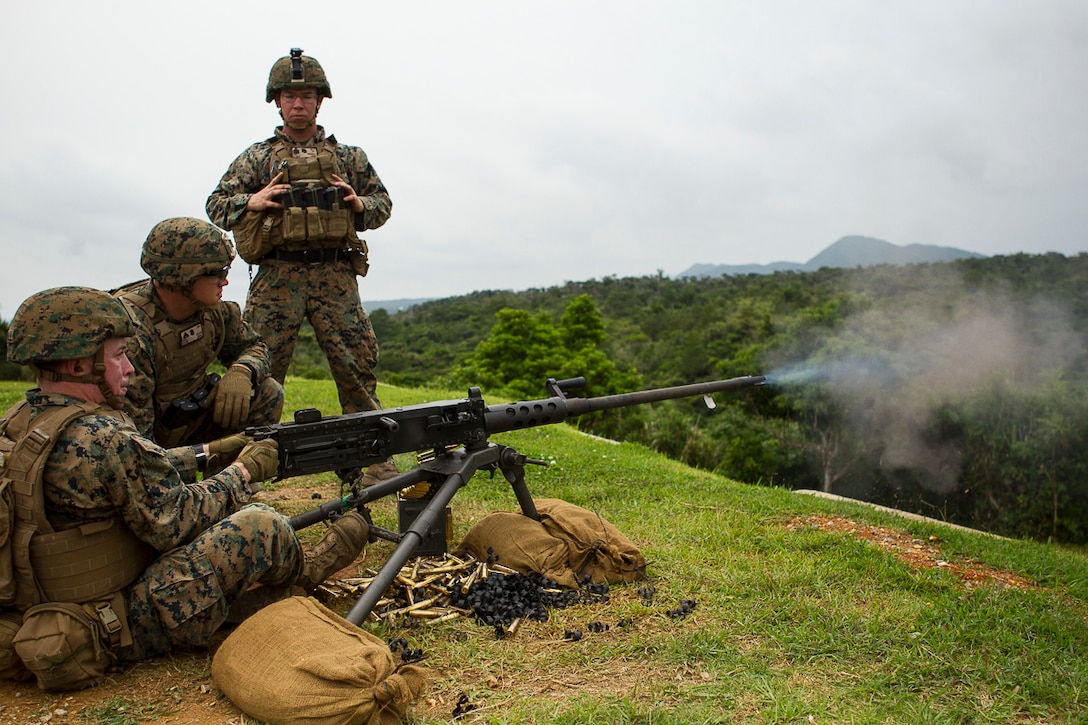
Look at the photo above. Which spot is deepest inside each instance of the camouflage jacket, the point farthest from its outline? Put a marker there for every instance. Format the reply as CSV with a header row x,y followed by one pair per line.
x,y
159,378
101,467
252,171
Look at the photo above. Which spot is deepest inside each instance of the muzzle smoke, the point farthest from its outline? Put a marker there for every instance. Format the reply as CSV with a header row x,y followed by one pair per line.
x,y
904,363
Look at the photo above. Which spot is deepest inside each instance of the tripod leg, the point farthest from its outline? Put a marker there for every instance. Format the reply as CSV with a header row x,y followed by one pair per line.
x,y
512,465
410,541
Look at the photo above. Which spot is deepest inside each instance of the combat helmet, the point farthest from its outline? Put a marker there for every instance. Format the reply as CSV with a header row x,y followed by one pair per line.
x,y
296,71
179,250
65,323
68,323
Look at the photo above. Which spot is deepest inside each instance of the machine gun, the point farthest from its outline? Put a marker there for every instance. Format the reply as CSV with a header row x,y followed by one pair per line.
x,y
451,439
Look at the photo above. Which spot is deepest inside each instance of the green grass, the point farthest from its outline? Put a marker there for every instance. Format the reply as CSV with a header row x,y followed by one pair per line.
x,y
792,625
11,392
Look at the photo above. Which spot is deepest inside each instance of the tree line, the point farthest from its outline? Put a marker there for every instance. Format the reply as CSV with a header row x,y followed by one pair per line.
x,y
957,390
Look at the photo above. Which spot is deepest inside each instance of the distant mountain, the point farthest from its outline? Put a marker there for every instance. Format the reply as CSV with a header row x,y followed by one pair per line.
x,y
852,251
718,270
394,306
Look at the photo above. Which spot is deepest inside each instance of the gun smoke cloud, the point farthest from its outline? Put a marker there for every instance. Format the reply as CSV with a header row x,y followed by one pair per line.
x,y
900,365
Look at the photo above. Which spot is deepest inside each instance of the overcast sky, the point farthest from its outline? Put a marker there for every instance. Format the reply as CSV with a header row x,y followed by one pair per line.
x,y
526,144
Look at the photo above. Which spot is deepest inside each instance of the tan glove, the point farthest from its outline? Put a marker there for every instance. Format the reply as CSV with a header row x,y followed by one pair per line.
x,y
262,460
223,451
232,396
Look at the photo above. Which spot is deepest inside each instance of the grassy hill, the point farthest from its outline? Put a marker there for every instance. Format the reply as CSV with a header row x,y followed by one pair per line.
x,y
807,611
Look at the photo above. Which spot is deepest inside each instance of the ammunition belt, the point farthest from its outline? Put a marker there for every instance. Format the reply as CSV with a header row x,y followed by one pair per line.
x,y
308,256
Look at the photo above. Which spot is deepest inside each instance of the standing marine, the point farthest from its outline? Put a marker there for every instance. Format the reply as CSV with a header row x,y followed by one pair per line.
x,y
296,203
183,326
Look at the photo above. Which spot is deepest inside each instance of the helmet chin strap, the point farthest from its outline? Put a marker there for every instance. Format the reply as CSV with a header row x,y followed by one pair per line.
x,y
197,303
97,376
187,293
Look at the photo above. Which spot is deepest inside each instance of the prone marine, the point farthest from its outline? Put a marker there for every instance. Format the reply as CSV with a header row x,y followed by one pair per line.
x,y
114,551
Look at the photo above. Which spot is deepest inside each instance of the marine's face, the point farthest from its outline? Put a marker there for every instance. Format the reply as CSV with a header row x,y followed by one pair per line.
x,y
299,107
208,289
118,367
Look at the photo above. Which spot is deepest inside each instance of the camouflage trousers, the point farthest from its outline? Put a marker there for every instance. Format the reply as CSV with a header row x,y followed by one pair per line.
x,y
284,293
184,596
265,408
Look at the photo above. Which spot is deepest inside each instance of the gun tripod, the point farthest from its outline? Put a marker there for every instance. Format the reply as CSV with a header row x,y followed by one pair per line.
x,y
446,472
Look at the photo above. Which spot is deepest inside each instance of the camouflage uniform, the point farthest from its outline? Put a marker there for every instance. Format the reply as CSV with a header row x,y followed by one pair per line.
x,y
211,546
326,292
109,522
158,379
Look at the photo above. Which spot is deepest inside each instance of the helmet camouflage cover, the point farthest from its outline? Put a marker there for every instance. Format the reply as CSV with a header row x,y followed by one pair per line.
x,y
179,250
283,76
65,323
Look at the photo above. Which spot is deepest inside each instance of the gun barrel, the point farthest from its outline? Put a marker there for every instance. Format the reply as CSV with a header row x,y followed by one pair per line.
x,y
579,406
514,416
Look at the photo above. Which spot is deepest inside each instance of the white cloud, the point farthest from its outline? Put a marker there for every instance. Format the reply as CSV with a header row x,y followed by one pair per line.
x,y
525,144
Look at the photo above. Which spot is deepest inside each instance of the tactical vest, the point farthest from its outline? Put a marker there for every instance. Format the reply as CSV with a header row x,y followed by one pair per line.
x,y
314,213
37,563
183,351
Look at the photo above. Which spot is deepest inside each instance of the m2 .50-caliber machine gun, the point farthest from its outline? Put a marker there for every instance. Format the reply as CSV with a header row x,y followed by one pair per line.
x,y
451,439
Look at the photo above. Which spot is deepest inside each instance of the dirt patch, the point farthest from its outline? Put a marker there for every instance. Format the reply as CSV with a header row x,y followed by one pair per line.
x,y
178,688
914,552
173,689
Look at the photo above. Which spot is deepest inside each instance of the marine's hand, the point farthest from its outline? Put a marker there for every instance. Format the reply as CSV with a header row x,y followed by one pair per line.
x,y
259,460
268,197
232,396
350,197
223,451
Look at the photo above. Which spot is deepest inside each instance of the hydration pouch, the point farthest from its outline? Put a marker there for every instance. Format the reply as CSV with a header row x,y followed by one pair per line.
x,y
67,645
253,235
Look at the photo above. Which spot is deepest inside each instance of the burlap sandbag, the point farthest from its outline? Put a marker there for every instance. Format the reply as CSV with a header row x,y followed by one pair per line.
x,y
596,547
295,661
521,543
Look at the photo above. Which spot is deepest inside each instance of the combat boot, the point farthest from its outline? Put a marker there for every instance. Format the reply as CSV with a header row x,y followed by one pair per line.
x,y
337,548
378,472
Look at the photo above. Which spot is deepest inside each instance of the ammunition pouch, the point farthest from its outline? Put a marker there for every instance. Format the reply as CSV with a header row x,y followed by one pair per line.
x,y
69,646
184,415
315,214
